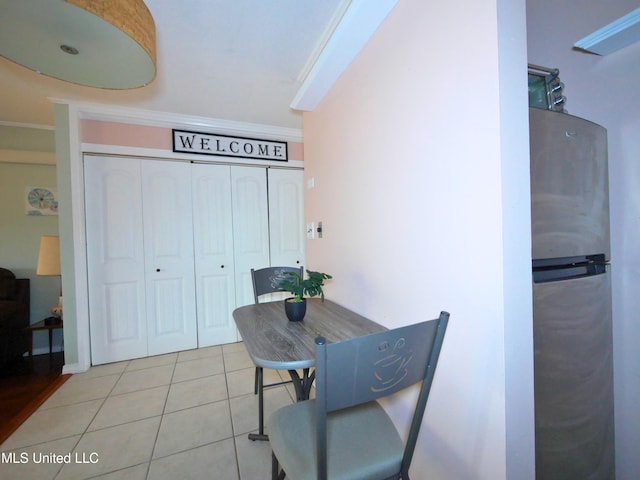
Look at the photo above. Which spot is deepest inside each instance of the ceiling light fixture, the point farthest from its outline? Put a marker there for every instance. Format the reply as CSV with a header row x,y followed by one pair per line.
x,y
69,50
614,36
99,43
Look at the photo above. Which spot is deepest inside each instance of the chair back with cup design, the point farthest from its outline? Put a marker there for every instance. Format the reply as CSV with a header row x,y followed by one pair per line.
x,y
345,433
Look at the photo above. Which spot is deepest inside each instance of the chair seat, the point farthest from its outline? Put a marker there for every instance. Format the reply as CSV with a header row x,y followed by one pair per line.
x,y
357,436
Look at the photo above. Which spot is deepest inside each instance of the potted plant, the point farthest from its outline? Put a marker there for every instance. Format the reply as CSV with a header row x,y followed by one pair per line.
x,y
295,307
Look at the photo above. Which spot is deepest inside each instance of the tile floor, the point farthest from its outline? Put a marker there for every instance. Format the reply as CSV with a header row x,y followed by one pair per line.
x,y
183,415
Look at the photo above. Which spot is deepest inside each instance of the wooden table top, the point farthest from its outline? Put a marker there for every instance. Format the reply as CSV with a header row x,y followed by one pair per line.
x,y
275,342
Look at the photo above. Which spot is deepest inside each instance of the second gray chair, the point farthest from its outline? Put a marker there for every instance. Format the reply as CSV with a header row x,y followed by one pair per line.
x,y
345,433
265,281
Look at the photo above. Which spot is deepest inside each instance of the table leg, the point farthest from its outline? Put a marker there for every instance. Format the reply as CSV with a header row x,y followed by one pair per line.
x,y
303,390
260,435
50,342
302,385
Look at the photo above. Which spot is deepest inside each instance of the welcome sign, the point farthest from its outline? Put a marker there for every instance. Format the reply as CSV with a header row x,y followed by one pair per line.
x,y
200,143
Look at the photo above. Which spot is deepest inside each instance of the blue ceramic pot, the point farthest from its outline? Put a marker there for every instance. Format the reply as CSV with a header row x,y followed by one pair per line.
x,y
295,310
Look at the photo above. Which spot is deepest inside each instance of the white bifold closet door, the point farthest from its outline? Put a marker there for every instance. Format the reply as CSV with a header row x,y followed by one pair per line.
x,y
250,227
139,257
214,259
168,247
171,245
286,217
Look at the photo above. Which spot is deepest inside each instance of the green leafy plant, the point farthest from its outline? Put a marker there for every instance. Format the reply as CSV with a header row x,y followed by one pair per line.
x,y
299,287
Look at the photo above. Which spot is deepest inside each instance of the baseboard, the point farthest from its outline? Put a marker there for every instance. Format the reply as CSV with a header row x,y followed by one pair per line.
x,y
74,368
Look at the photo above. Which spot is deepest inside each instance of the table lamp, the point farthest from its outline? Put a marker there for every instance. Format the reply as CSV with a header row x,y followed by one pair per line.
x,y
49,265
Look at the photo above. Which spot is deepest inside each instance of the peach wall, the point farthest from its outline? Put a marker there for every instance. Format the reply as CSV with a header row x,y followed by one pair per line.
x,y
409,166
112,133
143,136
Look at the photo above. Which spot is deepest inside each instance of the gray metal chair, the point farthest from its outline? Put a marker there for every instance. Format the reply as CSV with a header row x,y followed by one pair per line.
x,y
265,281
344,433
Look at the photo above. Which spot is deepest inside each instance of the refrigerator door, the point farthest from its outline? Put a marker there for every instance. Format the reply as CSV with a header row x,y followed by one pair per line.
x,y
573,371
569,186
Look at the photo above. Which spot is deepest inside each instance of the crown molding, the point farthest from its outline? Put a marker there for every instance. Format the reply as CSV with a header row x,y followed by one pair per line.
x,y
134,116
359,22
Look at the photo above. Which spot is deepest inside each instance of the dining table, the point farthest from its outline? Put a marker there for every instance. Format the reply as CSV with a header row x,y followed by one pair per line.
x,y
273,341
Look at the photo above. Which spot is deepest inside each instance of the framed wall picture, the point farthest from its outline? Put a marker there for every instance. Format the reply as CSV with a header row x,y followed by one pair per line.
x,y
41,201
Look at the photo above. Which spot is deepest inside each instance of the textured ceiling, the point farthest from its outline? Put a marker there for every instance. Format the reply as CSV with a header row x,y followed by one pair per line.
x,y
241,60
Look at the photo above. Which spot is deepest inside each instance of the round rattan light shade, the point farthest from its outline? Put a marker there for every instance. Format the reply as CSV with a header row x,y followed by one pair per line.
x,y
115,40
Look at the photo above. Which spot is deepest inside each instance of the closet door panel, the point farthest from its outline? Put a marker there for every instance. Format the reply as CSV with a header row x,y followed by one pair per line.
x,y
286,217
115,259
214,262
168,246
250,227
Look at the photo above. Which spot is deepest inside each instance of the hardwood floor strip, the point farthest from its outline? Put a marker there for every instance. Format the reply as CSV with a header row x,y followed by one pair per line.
x,y
13,424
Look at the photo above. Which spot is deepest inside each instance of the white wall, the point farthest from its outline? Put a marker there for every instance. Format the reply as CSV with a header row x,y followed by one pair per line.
x,y
416,187
605,90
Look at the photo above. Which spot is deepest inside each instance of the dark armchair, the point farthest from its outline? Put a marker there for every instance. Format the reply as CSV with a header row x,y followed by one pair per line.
x,y
14,315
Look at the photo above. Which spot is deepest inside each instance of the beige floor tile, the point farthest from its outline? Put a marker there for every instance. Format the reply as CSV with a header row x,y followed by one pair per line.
x,y
237,361
53,424
155,361
197,353
202,367
254,458
241,382
114,448
199,391
142,379
192,428
129,407
82,391
137,472
275,376
244,410
234,347
34,467
100,371
212,461
160,417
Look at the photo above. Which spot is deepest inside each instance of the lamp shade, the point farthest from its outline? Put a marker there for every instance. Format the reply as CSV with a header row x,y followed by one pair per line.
x,y
49,256
99,43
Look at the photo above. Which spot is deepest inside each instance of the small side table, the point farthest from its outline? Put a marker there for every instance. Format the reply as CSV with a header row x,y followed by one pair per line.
x,y
41,325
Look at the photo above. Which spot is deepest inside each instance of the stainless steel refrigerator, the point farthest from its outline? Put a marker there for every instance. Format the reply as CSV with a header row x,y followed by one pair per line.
x,y
573,354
